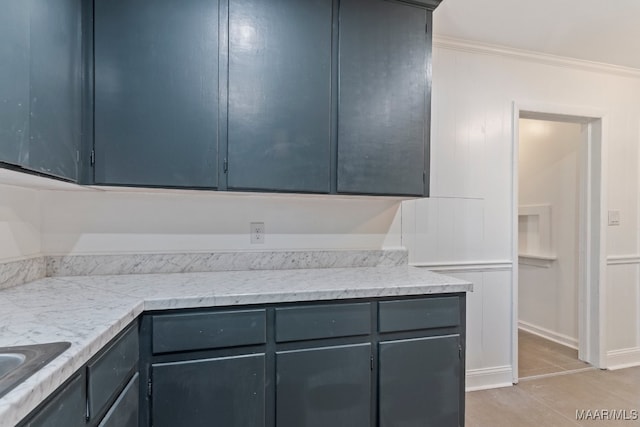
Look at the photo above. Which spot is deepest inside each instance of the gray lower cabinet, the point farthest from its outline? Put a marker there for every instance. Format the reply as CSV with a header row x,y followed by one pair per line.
x,y
386,362
223,391
108,373
103,393
321,387
67,408
383,126
419,382
125,410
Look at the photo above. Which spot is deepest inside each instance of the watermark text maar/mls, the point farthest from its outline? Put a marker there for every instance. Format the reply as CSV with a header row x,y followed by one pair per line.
x,y
607,414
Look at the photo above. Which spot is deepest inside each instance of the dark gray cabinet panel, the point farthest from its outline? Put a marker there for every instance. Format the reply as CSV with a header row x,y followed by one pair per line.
x,y
382,107
56,77
323,387
40,85
124,412
419,382
14,81
322,321
279,94
357,363
184,332
416,314
66,409
111,370
156,92
226,391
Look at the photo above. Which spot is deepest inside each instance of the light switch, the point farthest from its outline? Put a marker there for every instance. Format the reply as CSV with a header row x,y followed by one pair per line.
x,y
614,217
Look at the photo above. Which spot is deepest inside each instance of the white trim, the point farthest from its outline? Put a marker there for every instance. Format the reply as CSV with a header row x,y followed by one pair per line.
x,y
528,55
557,374
515,243
548,334
592,256
624,358
623,259
476,266
486,378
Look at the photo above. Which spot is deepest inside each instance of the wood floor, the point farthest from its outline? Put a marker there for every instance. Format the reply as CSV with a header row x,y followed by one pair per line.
x,y
549,400
538,356
553,401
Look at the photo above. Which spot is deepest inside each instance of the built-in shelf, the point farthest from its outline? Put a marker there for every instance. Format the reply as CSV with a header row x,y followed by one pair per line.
x,y
535,245
536,260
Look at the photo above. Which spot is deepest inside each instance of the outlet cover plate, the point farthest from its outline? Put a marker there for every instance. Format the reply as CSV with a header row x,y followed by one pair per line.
x,y
257,232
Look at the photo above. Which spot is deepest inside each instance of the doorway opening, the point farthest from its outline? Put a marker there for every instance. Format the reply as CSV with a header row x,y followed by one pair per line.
x,y
558,259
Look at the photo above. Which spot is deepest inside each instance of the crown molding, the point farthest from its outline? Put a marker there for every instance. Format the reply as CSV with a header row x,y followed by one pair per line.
x,y
471,46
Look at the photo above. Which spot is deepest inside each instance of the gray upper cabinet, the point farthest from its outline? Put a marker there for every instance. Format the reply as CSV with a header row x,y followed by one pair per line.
x,y
314,96
280,95
40,85
14,82
383,101
56,97
156,92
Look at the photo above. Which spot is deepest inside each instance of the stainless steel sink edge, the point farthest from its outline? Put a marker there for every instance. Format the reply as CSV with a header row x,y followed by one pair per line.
x,y
36,356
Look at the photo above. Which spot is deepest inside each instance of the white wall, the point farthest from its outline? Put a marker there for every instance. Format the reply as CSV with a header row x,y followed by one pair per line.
x,y
121,221
19,223
548,174
467,224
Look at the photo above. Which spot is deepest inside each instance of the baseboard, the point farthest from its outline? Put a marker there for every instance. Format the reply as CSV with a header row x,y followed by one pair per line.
x,y
485,378
625,358
562,339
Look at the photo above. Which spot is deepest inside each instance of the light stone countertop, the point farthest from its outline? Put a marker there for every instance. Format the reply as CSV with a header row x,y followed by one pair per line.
x,y
89,311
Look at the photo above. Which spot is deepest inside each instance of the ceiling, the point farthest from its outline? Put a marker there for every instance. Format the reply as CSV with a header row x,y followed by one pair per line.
x,y
593,30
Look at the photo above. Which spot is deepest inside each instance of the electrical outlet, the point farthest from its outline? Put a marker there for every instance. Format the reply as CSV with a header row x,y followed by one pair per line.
x,y
614,218
257,232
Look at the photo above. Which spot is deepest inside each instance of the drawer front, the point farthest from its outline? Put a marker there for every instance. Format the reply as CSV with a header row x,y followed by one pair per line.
x,y
109,372
425,313
124,412
199,331
66,409
322,321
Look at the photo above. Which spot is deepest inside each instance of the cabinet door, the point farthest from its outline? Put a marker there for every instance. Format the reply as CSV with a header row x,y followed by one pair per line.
x,y
382,107
279,94
156,92
419,382
14,81
40,85
56,83
322,387
67,408
124,412
225,392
